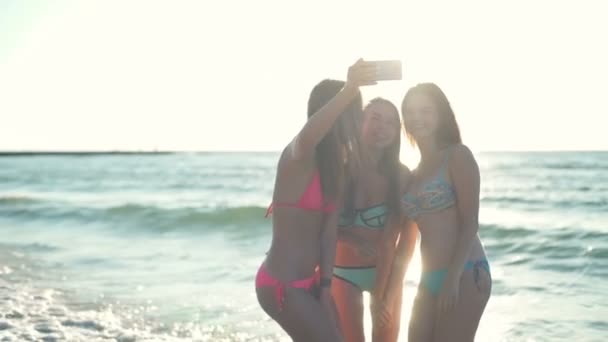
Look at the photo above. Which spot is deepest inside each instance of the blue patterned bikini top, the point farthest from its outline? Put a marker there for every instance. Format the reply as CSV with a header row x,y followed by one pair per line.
x,y
433,195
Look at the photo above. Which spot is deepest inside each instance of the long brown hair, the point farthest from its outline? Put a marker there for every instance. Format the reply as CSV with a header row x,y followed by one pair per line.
x,y
448,132
336,149
389,165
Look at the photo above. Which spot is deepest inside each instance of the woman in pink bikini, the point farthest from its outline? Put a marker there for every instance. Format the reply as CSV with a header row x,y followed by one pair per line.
x,y
310,178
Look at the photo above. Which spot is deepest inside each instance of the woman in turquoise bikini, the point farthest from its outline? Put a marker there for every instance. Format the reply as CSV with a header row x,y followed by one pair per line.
x,y
370,225
443,199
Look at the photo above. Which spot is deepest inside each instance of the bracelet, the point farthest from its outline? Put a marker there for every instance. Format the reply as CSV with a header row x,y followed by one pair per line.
x,y
325,282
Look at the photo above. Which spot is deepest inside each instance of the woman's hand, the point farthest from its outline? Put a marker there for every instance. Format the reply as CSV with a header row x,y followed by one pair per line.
x,y
448,297
327,302
361,74
381,313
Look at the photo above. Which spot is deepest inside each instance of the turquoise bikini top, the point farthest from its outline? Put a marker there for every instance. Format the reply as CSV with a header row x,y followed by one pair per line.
x,y
434,195
371,217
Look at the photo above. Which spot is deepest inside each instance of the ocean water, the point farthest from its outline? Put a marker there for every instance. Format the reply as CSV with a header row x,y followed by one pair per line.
x,y
165,247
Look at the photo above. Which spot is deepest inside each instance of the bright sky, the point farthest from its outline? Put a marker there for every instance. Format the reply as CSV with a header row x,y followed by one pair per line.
x,y
236,75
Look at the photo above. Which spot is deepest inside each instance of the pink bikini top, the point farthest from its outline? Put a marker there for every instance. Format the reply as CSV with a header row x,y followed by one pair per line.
x,y
311,199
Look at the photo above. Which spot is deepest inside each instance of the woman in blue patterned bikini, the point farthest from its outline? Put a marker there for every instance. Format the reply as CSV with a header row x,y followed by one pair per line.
x,y
368,257
443,199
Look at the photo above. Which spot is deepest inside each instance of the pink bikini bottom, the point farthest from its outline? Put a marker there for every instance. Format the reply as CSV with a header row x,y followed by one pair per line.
x,y
264,279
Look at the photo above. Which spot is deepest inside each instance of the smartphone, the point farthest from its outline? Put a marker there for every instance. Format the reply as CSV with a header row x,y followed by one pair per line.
x,y
387,70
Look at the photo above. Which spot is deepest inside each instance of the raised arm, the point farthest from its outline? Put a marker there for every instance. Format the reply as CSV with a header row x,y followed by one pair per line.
x,y
319,124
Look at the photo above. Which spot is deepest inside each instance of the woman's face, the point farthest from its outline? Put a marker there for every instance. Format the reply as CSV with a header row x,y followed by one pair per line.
x,y
380,125
420,116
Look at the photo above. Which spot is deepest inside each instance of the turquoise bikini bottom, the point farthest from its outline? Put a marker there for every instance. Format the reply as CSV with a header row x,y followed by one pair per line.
x,y
433,280
361,277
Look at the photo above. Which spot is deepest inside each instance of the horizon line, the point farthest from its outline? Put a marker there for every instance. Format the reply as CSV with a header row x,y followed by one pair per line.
x,y
5,153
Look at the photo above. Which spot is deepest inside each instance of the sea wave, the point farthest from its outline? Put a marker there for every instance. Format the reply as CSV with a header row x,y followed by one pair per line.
x,y
137,216
598,203
16,199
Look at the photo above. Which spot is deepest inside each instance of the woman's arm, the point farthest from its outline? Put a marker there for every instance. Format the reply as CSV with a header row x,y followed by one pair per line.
x,y
465,179
390,277
329,238
464,173
403,256
389,253
385,253
318,125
